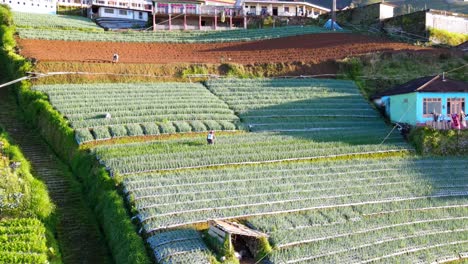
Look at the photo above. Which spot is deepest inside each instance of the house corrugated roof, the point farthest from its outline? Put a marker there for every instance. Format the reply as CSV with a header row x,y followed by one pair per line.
x,y
427,84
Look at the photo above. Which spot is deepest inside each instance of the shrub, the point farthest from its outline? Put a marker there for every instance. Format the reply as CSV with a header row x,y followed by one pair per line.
x,y
446,37
83,135
438,142
198,126
118,131
212,125
150,129
227,125
182,127
166,128
101,133
134,130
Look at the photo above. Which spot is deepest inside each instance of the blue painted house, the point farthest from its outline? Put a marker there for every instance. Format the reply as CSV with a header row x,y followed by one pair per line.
x,y
416,101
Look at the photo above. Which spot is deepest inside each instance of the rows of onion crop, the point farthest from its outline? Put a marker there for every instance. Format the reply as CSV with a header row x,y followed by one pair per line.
x,y
192,196
171,36
406,234
297,104
30,21
243,149
22,240
179,246
102,111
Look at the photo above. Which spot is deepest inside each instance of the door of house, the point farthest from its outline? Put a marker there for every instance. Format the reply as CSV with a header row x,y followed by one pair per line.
x,y
275,11
455,105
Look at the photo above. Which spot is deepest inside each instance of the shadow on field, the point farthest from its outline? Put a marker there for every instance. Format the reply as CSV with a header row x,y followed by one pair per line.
x,y
347,118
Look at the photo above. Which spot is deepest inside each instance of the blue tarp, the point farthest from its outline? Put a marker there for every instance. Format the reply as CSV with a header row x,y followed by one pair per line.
x,y
328,25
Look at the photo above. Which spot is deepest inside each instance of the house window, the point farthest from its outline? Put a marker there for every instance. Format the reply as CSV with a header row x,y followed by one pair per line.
x,y
432,105
123,12
108,10
455,105
286,9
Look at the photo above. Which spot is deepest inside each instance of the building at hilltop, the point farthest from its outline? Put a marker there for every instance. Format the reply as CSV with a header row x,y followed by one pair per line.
x,y
365,15
283,8
417,101
198,15
419,23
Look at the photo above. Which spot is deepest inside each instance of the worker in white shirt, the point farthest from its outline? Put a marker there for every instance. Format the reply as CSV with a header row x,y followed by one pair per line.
x,y
211,137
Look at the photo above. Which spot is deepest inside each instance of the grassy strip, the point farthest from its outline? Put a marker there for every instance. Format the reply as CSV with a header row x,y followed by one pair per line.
x,y
439,142
131,73
125,244
446,37
36,201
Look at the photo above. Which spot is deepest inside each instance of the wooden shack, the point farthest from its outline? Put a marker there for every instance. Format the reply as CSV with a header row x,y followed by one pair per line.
x,y
242,239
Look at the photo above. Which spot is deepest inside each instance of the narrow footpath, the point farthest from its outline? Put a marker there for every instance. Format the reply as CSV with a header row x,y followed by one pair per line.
x,y
78,233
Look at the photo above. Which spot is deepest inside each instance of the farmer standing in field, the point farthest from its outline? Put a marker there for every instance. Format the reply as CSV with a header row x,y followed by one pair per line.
x,y
210,138
115,58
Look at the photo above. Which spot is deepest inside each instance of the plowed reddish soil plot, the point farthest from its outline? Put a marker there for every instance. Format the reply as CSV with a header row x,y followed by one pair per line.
x,y
313,48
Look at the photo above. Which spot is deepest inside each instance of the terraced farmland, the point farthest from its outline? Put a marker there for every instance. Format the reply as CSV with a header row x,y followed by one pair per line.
x,y
165,36
423,231
138,109
22,240
194,196
52,23
243,149
311,175
297,105
179,246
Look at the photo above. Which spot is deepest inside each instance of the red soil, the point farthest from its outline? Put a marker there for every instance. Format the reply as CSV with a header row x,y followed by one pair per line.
x,y
314,48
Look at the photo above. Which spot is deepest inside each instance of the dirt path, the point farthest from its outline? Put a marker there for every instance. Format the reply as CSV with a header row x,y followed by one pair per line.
x,y
314,48
77,230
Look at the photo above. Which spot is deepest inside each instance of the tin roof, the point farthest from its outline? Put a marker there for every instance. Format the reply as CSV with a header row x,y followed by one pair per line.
x,y
427,84
237,229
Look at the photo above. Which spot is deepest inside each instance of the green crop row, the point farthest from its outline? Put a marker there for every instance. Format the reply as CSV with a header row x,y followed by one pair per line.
x,y
23,240
46,21
170,37
185,197
102,111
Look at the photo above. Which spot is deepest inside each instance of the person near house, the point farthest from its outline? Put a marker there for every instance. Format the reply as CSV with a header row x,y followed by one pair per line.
x,y
462,120
115,58
210,138
455,121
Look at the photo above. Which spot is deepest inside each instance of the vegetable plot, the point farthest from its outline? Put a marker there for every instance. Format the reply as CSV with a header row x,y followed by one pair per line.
x,y
411,233
179,246
102,111
33,22
22,240
297,105
243,149
170,36
195,196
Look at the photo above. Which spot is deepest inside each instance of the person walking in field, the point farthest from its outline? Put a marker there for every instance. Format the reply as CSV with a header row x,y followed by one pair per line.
x,y
115,58
210,138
